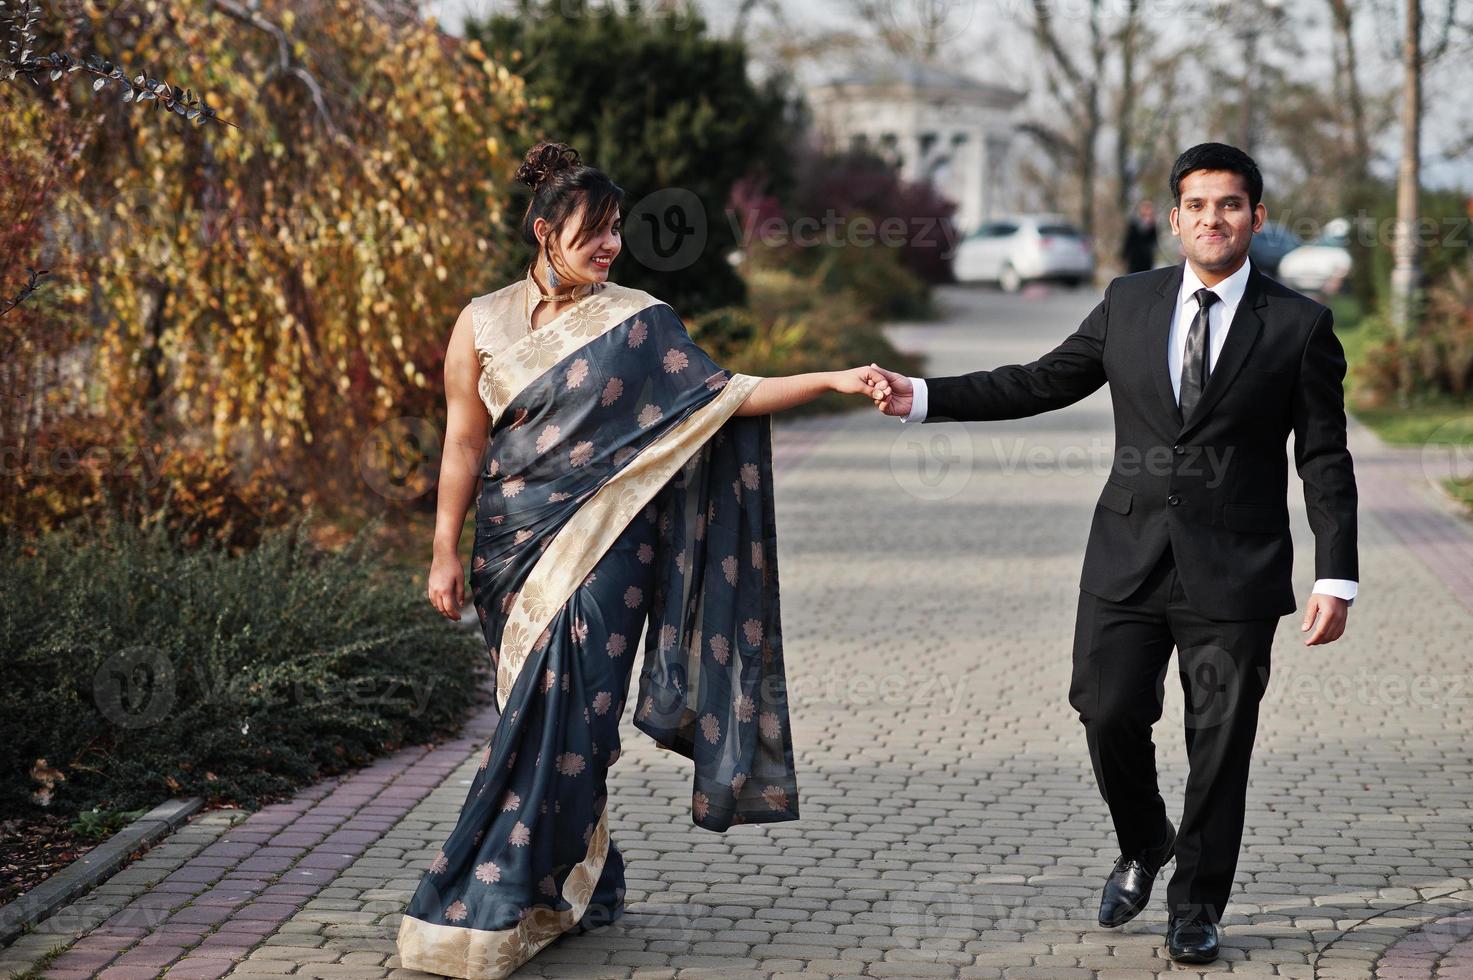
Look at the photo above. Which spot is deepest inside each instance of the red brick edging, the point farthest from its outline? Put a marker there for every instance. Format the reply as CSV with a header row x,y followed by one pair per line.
x,y
208,914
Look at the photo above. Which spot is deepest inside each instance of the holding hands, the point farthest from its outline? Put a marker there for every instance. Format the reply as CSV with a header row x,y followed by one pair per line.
x,y
890,392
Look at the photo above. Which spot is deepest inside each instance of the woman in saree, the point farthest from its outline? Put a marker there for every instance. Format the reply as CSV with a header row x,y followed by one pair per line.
x,y
626,489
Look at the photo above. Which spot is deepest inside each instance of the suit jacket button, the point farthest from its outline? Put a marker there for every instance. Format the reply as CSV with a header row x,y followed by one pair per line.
x,y
1173,500
1178,450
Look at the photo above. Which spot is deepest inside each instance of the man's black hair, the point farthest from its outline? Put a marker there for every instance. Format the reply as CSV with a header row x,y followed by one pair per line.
x,y
1217,156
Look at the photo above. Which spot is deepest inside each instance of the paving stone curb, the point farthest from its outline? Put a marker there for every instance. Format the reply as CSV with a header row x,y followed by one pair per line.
x,y
94,867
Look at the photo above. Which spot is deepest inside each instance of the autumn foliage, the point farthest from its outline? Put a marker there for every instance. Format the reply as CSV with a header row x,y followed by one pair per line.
x,y
258,296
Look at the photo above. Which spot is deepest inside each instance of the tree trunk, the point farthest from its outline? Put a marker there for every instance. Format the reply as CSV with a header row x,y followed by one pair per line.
x,y
1406,274
1093,120
1246,124
1348,87
1124,134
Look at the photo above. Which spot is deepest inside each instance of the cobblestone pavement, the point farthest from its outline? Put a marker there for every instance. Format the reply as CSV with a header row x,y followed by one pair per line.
x,y
951,826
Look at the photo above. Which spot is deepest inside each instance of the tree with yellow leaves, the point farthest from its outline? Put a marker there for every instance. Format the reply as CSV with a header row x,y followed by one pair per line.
x,y
269,292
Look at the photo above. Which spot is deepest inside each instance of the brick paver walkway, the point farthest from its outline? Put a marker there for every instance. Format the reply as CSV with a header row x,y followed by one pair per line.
x,y
951,826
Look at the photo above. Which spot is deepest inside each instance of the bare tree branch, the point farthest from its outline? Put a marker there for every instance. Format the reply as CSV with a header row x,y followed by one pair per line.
x,y
285,63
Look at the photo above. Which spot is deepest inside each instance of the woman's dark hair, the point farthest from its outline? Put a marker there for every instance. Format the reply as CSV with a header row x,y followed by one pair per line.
x,y
560,182
1217,156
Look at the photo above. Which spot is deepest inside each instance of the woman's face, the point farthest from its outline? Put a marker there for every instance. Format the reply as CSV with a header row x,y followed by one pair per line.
x,y
590,261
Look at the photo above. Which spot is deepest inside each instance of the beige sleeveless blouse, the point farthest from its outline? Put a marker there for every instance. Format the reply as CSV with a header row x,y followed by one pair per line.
x,y
512,354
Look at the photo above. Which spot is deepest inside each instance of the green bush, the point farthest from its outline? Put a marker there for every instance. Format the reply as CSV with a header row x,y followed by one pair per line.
x,y
875,276
137,668
1442,231
792,326
725,333
648,94
1435,361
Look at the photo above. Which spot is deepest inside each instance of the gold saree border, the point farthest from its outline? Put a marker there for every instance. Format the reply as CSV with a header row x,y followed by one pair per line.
x,y
489,954
506,372
583,540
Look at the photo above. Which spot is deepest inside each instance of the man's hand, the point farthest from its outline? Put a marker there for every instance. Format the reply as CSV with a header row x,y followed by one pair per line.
x,y
892,392
1327,614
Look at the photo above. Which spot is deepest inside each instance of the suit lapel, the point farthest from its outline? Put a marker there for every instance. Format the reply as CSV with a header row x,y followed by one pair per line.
x,y
1242,334
1158,336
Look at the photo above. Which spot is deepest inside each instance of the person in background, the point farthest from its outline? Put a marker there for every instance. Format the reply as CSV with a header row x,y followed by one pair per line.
x,y
1138,250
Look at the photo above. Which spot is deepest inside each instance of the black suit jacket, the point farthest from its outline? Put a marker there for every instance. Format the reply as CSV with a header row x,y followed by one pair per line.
x,y
1215,486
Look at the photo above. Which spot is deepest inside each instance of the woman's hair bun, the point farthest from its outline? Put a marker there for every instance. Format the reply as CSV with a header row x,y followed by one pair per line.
x,y
544,160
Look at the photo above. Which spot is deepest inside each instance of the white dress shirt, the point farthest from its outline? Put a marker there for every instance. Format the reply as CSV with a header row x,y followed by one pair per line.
x,y
1219,320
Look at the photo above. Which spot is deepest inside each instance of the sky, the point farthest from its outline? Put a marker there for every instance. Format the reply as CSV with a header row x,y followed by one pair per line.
x,y
990,44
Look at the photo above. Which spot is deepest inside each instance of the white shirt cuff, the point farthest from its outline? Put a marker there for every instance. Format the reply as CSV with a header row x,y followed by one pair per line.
x,y
917,401
1340,588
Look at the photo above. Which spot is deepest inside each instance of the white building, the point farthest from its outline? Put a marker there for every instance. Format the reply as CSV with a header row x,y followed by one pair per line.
x,y
941,126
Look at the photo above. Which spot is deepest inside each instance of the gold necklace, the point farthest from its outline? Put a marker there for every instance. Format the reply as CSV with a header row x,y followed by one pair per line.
x,y
534,287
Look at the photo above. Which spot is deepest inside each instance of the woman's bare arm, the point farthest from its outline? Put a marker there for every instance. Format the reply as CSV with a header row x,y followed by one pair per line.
x,y
776,394
466,425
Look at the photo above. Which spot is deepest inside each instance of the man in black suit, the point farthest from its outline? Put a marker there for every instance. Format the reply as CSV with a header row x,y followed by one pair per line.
x,y
1211,366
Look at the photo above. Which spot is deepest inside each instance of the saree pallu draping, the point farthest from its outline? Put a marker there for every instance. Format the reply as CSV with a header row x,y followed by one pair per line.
x,y
620,495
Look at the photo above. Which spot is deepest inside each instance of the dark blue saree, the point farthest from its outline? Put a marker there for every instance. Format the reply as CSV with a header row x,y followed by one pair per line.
x,y
620,496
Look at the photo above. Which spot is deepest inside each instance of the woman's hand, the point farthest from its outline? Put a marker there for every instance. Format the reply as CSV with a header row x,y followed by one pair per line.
x,y
446,586
855,381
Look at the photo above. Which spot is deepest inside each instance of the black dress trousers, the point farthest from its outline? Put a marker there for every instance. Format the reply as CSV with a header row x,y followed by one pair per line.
x,y
1121,653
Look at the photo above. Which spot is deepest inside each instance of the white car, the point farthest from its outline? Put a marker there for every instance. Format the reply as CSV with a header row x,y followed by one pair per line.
x,y
1322,266
1026,248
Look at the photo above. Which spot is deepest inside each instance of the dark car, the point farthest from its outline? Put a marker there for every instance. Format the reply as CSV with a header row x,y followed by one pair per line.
x,y
1270,246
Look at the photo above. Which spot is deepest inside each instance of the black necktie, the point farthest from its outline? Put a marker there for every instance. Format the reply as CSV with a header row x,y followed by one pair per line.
x,y
1194,359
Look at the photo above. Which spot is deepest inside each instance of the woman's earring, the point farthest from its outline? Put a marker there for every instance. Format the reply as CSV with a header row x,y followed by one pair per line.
x,y
553,282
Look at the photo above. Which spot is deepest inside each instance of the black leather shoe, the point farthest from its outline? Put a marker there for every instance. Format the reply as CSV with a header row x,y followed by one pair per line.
x,y
1190,939
1128,887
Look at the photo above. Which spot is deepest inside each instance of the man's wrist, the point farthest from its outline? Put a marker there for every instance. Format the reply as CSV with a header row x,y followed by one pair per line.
x,y
918,401
1340,588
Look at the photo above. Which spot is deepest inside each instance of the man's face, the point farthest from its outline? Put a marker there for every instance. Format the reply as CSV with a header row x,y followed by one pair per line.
x,y
1147,212
1214,220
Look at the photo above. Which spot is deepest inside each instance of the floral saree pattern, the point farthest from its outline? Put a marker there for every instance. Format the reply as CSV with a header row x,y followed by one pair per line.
x,y
620,495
